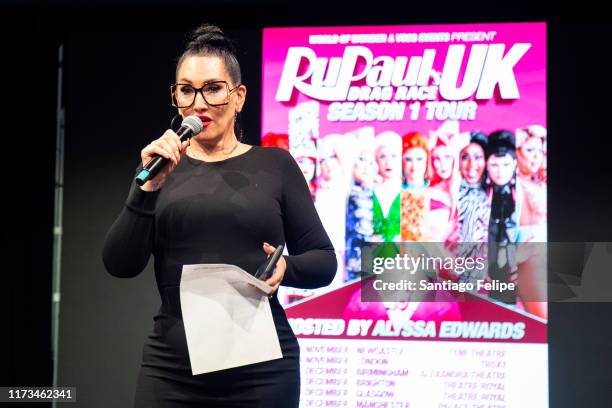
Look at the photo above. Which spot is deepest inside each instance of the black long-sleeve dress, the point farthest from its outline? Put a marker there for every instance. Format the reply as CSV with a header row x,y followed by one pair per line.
x,y
220,212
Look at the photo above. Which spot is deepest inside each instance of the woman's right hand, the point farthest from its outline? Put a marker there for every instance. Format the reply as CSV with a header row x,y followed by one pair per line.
x,y
168,146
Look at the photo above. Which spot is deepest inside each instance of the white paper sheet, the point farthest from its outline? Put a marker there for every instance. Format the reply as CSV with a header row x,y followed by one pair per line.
x,y
228,323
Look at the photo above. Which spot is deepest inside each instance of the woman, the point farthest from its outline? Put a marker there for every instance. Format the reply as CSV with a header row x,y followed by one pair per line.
x,y
331,192
218,201
504,216
442,162
508,262
531,162
414,198
530,159
473,209
359,223
445,180
501,171
305,155
386,196
442,192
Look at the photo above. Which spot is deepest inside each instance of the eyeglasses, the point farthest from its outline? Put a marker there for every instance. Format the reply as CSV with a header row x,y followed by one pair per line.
x,y
215,93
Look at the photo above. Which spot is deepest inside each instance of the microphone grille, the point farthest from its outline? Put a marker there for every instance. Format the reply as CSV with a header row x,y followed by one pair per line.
x,y
194,123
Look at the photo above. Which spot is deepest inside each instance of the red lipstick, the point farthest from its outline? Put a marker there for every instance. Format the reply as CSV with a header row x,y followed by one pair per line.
x,y
205,120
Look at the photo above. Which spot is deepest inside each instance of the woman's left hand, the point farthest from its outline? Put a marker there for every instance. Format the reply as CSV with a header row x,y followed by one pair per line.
x,y
279,272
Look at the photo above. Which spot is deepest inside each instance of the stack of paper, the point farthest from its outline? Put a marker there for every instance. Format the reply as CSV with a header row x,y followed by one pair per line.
x,y
227,318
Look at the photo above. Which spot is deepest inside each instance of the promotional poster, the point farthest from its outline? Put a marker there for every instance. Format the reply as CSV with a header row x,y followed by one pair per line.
x,y
432,136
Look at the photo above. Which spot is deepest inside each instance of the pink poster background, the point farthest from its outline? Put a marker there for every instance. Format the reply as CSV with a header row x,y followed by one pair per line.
x,y
491,115
343,302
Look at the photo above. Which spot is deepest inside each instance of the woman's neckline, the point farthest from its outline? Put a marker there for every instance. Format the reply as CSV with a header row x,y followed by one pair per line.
x,y
199,161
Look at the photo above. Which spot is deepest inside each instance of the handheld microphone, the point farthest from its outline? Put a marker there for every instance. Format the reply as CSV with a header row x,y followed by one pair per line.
x,y
265,269
191,126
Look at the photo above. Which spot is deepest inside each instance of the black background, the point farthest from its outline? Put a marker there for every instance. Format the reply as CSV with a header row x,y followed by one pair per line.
x,y
107,44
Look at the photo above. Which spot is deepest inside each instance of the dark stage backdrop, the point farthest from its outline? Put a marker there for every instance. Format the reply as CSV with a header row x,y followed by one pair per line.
x,y
104,320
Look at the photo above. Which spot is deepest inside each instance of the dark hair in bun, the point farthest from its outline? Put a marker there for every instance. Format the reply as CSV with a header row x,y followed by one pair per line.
x,y
501,143
480,139
209,39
